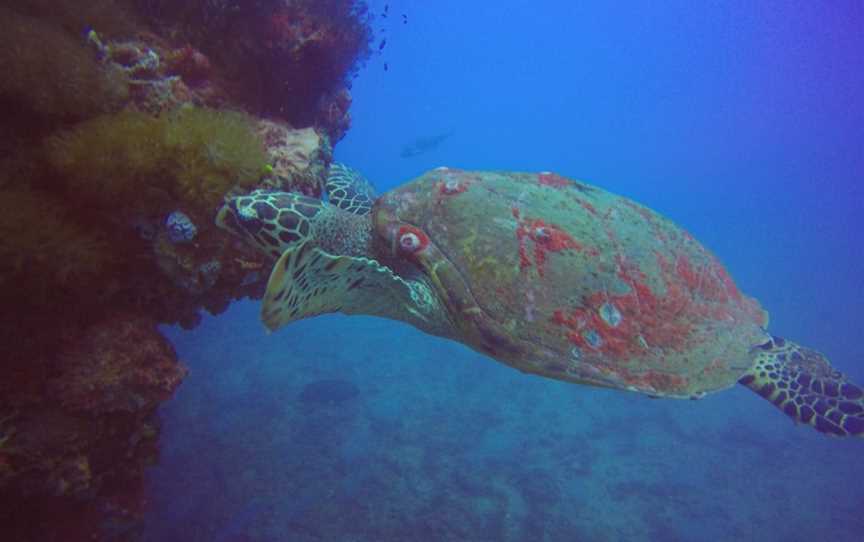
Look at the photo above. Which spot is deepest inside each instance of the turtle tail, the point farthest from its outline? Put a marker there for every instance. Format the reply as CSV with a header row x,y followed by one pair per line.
x,y
803,384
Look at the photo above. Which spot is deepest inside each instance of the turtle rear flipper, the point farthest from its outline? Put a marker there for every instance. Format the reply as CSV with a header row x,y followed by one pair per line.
x,y
308,281
803,384
348,190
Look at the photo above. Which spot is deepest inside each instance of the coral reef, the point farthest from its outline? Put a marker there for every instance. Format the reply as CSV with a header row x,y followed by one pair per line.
x,y
299,158
319,43
126,124
43,247
106,383
161,77
51,74
333,114
118,365
292,55
75,18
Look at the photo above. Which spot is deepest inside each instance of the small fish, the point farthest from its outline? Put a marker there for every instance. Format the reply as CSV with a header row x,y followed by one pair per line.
x,y
423,145
385,66
404,19
383,43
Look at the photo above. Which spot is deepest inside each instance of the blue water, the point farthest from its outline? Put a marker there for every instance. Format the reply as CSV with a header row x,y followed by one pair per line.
x,y
742,121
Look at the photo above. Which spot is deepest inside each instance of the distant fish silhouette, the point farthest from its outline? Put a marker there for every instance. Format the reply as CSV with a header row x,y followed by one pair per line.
x,y
424,144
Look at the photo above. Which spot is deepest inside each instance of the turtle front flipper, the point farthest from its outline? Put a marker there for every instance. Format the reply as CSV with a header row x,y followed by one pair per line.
x,y
803,384
348,190
307,281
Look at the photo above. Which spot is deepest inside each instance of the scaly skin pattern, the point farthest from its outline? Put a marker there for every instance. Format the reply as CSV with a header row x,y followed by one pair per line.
x,y
275,221
563,279
348,190
271,221
800,382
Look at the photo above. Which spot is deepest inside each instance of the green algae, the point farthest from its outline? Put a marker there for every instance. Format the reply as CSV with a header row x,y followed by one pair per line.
x,y
189,158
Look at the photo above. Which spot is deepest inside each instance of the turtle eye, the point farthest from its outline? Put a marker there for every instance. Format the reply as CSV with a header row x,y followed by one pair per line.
x,y
409,242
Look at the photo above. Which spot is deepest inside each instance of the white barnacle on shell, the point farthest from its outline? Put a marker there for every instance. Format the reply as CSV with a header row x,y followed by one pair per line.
x,y
593,338
452,186
541,233
610,314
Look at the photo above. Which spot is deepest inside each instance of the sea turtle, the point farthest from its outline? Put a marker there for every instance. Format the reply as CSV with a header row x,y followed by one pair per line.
x,y
549,275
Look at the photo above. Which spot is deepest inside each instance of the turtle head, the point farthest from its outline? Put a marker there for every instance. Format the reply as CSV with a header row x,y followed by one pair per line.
x,y
276,221
400,218
399,237
396,238
404,222
270,221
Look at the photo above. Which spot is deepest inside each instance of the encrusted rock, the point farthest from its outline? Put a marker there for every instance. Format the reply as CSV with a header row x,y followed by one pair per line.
x,y
299,157
104,388
122,364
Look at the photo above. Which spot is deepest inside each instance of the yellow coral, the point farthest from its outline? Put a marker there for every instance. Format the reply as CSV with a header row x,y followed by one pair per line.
x,y
192,155
214,150
107,158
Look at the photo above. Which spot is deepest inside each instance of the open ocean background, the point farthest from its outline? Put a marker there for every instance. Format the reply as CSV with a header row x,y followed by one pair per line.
x,y
742,121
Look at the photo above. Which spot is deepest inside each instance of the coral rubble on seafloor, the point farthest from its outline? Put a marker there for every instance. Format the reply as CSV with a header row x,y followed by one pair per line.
x,y
126,123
